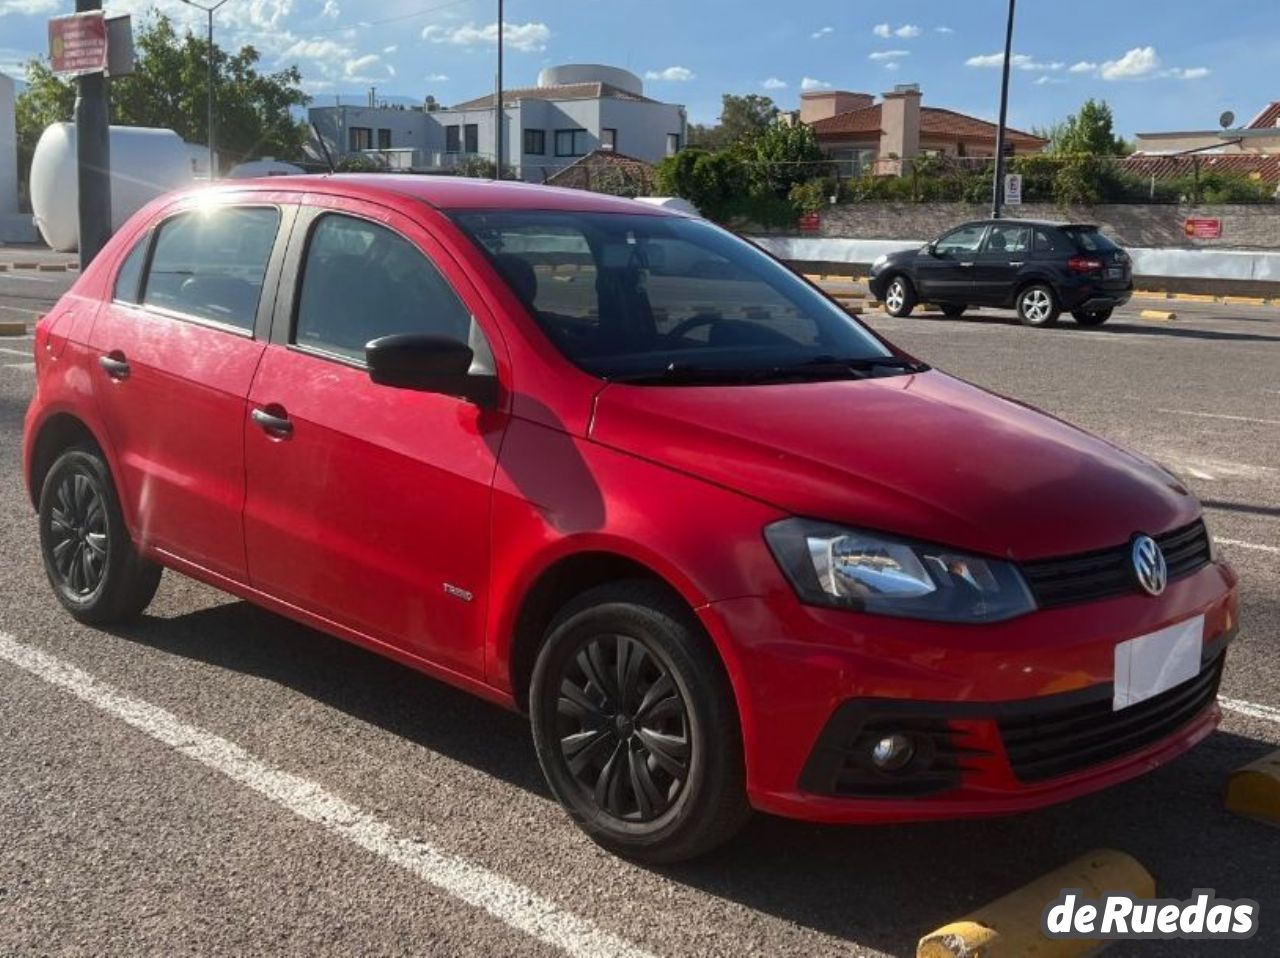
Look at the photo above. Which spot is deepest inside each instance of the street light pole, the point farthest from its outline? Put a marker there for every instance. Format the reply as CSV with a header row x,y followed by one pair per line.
x,y
499,115
997,188
210,11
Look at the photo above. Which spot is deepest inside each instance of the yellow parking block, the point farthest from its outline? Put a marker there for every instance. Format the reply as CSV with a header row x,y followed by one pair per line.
x,y
1245,300
4,267
813,277
1159,315
52,267
1255,789
1150,294
853,309
1194,297
25,264
13,328
1010,925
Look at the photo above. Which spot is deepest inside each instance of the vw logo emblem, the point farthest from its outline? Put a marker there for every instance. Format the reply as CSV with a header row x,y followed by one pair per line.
x,y
1149,565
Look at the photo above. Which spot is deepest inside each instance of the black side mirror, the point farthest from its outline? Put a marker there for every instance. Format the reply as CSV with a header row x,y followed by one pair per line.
x,y
931,249
434,364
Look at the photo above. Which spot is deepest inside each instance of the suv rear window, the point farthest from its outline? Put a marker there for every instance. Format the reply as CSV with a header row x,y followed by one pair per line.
x,y
1091,241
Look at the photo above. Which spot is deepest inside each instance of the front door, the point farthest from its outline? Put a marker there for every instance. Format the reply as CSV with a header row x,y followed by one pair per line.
x,y
944,274
370,505
1000,261
175,354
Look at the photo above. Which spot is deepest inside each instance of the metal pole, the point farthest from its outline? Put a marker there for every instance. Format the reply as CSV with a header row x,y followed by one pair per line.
x,y
213,160
93,157
498,112
997,188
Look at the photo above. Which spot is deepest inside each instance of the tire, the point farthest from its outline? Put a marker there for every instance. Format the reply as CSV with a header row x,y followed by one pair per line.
x,y
952,311
92,564
1091,318
675,730
1038,306
899,297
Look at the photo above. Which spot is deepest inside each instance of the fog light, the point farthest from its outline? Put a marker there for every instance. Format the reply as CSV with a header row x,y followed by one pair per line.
x,y
893,752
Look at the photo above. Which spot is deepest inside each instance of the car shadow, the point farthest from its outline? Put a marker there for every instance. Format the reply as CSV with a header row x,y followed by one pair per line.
x,y
872,886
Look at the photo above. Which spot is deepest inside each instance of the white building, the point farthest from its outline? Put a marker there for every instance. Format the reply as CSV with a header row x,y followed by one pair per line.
x,y
573,110
14,226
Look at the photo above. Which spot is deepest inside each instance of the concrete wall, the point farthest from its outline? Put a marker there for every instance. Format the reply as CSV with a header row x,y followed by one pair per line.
x,y
1136,225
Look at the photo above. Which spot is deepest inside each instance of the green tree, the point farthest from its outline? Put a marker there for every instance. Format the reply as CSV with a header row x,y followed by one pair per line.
x,y
741,117
1090,132
169,89
782,156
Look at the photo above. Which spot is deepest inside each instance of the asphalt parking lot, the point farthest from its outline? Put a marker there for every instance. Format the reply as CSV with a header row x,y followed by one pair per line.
x,y
217,779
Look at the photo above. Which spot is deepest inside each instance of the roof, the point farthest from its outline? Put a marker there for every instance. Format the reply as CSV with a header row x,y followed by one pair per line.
x,y
629,167
1268,119
1165,166
934,122
448,192
562,91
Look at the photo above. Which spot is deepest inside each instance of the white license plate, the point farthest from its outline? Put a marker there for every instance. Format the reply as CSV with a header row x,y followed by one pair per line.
x,y
1156,662
1115,272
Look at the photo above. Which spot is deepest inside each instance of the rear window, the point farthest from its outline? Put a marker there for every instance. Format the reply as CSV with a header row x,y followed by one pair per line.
x,y
1091,241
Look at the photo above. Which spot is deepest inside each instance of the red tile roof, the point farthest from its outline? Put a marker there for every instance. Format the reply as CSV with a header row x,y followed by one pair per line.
x,y
1268,119
1264,168
934,122
604,171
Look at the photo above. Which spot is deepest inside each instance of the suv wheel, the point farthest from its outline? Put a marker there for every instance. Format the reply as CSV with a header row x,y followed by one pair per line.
x,y
635,725
900,297
92,564
1037,306
1092,318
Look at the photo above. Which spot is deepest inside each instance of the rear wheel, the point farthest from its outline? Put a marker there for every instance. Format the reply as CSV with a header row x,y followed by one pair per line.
x,y
899,297
92,564
1095,317
1037,305
635,725
953,311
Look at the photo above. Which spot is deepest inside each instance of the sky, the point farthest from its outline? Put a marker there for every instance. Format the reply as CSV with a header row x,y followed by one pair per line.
x,y
1161,64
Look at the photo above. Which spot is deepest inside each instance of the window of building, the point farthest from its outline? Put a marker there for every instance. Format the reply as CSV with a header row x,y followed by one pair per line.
x,y
571,142
362,281
471,138
535,142
211,263
453,139
854,161
384,139
608,138
673,144
361,138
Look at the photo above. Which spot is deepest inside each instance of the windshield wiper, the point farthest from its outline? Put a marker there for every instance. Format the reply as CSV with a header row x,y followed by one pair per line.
x,y
819,367
869,362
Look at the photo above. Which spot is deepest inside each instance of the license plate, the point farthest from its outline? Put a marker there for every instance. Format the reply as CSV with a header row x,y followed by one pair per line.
x,y
1156,662
1115,272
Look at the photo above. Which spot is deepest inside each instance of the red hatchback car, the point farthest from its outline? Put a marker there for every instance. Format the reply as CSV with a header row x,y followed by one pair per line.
x,y
618,468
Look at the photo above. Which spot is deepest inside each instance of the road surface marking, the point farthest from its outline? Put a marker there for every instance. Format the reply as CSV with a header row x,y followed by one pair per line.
x,y
21,309
1267,713
15,352
1246,545
28,367
511,903
1220,415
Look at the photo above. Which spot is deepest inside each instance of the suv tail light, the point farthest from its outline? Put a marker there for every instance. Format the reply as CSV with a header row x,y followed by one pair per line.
x,y
1084,264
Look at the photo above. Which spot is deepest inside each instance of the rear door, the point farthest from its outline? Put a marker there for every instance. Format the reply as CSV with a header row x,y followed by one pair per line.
x,y
175,352
945,275
1001,259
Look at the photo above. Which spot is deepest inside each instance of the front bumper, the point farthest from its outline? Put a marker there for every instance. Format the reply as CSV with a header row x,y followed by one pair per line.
x,y
799,672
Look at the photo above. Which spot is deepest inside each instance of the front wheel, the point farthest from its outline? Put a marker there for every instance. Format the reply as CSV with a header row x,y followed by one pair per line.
x,y
1095,317
635,725
1037,306
900,297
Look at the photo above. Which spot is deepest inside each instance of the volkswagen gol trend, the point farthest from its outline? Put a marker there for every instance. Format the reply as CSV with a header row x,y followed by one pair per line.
x,y
618,468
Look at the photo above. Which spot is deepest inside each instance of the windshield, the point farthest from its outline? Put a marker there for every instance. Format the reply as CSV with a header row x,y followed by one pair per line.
x,y
669,299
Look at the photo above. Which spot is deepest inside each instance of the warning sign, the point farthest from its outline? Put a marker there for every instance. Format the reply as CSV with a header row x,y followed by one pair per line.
x,y
78,44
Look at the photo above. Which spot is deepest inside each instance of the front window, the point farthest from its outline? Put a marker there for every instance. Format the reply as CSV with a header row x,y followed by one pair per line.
x,y
966,239
670,299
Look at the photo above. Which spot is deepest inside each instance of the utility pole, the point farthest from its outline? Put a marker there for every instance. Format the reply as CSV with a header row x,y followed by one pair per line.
x,y
210,11
997,188
499,114
93,157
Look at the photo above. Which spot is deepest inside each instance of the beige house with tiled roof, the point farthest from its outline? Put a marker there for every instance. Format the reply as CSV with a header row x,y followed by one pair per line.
x,y
864,136
1260,137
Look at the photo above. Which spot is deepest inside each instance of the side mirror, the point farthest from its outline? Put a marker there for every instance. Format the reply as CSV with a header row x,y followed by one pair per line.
x,y
931,249
434,364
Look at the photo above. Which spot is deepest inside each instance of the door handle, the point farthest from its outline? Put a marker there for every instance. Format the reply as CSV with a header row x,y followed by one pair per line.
x,y
970,263
115,365
276,425
1015,262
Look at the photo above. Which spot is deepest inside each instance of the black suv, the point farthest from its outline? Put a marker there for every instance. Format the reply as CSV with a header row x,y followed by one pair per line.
x,y
1037,268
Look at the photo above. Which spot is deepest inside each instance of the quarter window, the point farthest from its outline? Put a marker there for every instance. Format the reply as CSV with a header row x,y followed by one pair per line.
x,y
129,279
361,281
211,263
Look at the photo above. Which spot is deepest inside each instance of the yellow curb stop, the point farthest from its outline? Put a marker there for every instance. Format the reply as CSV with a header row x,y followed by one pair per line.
x,y
1159,315
1245,300
853,309
13,328
1010,925
24,264
1254,791
52,267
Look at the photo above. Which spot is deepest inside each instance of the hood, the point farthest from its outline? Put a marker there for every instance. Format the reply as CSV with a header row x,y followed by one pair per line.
x,y
926,456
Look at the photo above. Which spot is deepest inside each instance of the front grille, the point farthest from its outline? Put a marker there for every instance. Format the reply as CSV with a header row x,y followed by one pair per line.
x,y
1108,572
1050,741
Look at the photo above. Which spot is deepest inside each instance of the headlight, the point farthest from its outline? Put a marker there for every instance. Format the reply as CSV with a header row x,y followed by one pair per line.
x,y
869,572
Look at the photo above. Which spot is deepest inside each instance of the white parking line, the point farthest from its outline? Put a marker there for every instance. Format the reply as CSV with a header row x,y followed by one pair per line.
x,y
1246,545
27,367
21,309
1219,415
509,902
15,352
1252,709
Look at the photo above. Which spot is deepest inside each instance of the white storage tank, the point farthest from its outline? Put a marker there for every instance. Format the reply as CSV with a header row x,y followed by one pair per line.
x,y
591,73
267,166
145,163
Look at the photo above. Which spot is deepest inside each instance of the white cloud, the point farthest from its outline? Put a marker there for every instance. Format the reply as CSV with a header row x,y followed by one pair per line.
x,y
391,49
319,48
1138,62
907,31
331,9
809,83
888,54
28,8
1084,66
355,67
882,30
823,32
528,37
943,30
672,75
892,65
773,83
1046,79
436,77
1019,61
1190,73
